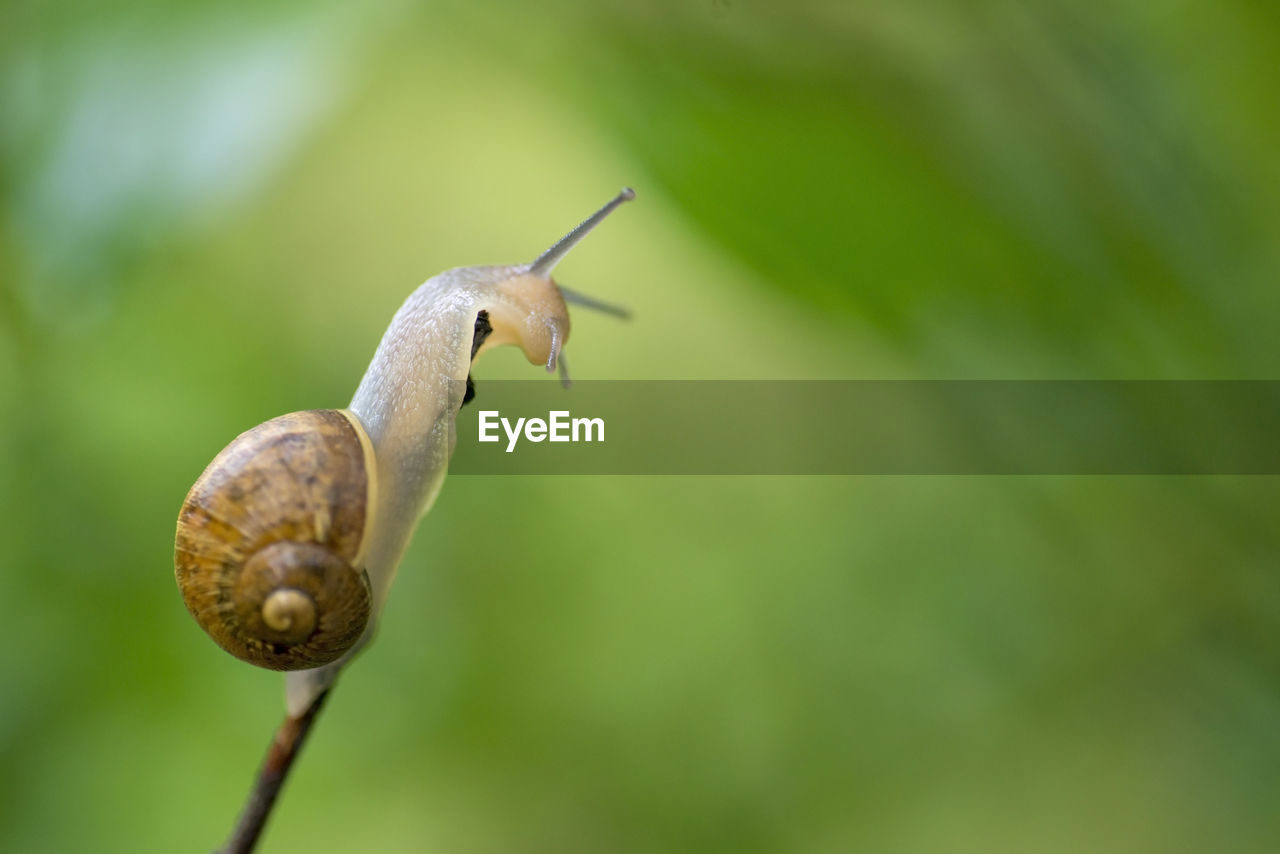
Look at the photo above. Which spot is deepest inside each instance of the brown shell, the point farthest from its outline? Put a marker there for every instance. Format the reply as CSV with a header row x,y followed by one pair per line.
x,y
282,510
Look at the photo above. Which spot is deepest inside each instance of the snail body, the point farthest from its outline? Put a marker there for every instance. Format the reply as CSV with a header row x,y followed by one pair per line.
x,y
288,542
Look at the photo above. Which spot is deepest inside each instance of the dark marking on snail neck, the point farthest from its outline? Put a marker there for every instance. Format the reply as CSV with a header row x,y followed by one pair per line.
x,y
483,330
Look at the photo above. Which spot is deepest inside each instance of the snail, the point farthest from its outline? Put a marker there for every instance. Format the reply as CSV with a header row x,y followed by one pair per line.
x,y
287,544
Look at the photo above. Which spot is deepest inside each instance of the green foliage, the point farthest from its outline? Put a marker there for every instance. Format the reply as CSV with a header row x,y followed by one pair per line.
x,y
210,215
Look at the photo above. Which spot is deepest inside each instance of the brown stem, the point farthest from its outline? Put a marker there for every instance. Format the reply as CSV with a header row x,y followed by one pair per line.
x,y
271,776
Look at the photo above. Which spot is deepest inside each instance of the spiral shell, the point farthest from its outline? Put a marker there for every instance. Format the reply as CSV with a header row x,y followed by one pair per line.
x,y
268,549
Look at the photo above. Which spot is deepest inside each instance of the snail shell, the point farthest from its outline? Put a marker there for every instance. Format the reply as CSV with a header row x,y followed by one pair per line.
x,y
268,552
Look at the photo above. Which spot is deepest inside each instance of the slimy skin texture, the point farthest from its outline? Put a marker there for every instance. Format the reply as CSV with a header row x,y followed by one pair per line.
x,y
409,399
410,396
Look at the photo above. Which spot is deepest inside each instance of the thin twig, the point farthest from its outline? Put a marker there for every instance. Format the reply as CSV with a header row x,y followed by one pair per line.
x,y
271,776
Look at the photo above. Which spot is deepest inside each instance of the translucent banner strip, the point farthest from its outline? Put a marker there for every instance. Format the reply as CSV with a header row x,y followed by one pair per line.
x,y
871,428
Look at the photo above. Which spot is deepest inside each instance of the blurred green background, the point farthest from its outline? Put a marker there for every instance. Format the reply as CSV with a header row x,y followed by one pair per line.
x,y
212,210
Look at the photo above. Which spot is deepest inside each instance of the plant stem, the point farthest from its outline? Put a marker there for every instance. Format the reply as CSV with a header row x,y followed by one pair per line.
x,y
283,751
